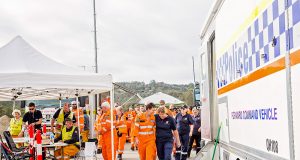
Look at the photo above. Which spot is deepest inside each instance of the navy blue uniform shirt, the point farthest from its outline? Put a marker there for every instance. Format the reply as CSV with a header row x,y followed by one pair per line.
x,y
183,123
164,128
197,124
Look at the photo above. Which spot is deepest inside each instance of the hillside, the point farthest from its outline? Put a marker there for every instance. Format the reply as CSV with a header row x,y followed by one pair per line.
x,y
182,92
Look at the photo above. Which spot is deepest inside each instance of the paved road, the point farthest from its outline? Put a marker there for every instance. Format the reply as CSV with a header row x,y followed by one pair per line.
x,y
132,155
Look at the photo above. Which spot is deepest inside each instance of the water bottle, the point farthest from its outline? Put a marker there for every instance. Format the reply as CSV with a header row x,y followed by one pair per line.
x,y
26,133
51,138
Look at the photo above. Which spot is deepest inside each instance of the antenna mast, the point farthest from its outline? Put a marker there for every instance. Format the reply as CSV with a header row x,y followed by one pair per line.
x,y
95,37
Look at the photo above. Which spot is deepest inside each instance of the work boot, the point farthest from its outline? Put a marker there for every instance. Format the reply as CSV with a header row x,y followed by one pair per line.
x,y
99,151
132,148
120,156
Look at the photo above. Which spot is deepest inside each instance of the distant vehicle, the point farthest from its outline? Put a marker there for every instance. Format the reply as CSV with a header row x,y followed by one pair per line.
x,y
250,72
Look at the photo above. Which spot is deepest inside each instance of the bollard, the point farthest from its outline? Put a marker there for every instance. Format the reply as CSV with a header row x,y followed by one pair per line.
x,y
44,134
31,139
39,152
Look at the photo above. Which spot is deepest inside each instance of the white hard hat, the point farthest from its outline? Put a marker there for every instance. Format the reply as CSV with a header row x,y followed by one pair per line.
x,y
74,102
105,104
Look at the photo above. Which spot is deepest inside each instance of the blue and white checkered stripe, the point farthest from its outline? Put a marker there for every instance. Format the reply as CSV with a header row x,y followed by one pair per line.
x,y
258,39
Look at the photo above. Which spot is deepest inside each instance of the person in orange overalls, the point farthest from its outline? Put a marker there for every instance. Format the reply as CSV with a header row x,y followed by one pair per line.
x,y
190,111
168,111
172,109
105,131
132,140
75,111
144,133
97,127
121,131
128,116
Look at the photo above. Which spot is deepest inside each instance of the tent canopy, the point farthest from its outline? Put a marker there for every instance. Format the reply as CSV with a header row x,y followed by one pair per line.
x,y
26,74
155,98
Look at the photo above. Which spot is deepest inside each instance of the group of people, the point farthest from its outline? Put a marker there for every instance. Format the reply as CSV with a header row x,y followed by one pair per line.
x,y
69,125
153,131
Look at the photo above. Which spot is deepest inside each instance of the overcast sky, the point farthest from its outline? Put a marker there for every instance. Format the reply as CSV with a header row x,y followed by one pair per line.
x,y
138,40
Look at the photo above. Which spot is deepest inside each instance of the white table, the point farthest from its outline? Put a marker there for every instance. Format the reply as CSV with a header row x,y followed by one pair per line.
x,y
57,144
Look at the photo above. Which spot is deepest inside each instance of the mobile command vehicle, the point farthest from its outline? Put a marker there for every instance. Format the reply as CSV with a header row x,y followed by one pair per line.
x,y
250,79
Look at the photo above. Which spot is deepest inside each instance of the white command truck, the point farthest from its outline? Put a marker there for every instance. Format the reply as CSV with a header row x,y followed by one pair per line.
x,y
250,80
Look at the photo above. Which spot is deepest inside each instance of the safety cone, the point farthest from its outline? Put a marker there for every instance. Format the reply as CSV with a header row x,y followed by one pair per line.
x,y
31,140
39,152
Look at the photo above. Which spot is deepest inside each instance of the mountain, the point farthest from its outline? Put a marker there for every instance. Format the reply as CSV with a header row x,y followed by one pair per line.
x,y
183,92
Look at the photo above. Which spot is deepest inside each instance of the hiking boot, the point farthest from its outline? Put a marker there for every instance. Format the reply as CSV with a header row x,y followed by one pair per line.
x,y
120,156
132,148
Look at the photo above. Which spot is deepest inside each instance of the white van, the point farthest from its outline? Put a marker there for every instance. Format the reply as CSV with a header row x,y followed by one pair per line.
x,y
250,79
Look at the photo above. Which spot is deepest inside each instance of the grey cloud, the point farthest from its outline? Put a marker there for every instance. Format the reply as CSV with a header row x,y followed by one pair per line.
x,y
137,39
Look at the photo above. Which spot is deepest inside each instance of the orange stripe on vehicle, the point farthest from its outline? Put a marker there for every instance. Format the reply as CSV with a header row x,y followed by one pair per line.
x,y
295,58
269,69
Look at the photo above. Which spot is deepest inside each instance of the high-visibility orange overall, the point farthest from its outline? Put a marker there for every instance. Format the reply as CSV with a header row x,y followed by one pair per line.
x,y
97,127
81,118
105,131
132,140
128,117
144,130
122,132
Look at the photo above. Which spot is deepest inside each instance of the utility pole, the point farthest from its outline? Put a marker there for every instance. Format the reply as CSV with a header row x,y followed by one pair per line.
x,y
194,70
95,37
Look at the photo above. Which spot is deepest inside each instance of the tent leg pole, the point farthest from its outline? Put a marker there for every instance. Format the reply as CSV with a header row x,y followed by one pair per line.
x,y
14,105
112,120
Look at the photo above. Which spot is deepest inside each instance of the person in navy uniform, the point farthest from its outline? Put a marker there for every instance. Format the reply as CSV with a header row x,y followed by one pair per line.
x,y
166,133
196,135
184,123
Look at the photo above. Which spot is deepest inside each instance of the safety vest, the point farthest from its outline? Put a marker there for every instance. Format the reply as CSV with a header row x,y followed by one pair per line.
x,y
145,128
121,124
80,119
97,125
128,117
68,135
61,118
106,121
15,126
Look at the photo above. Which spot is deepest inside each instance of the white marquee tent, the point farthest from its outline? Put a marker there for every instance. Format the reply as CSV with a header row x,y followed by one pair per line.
x,y
155,98
26,74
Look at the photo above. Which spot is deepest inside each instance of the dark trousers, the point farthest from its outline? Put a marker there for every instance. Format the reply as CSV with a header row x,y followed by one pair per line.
x,y
196,138
181,153
164,150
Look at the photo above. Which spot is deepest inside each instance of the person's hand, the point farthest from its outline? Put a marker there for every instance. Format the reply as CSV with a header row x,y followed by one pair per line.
x,y
199,130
